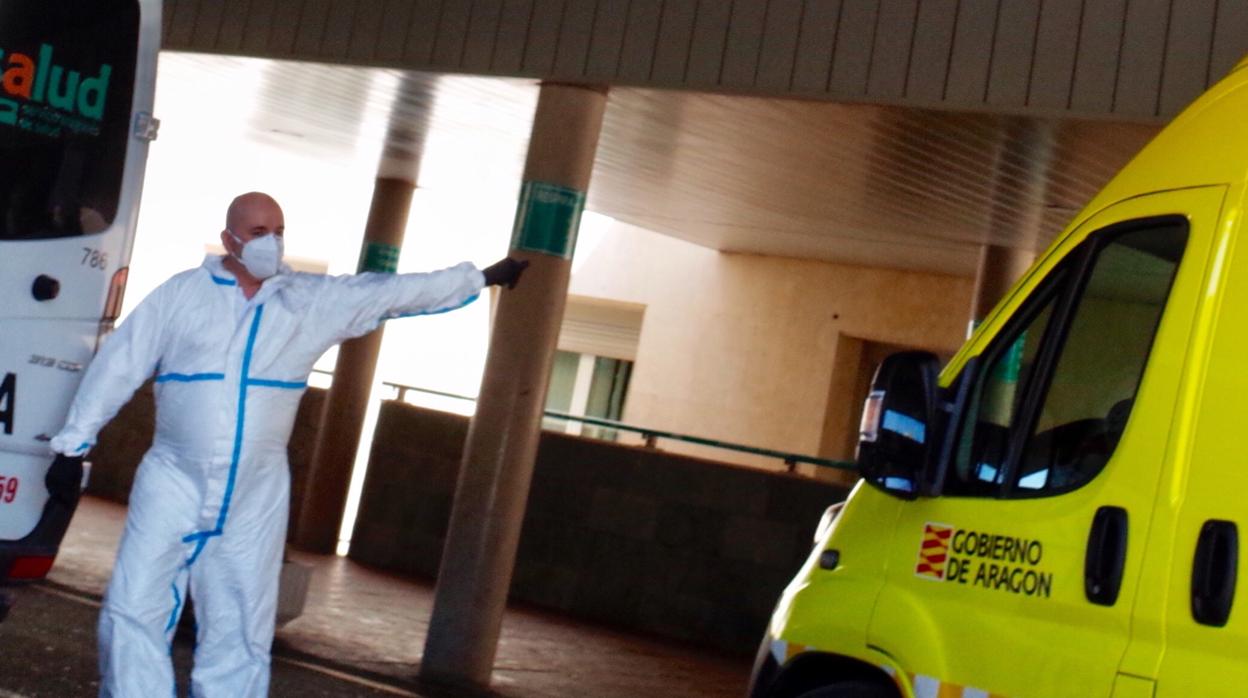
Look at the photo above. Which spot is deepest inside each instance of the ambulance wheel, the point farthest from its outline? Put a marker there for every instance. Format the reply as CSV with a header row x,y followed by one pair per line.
x,y
852,689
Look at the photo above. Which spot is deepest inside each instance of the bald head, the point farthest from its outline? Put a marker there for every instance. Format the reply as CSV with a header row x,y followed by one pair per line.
x,y
246,209
250,216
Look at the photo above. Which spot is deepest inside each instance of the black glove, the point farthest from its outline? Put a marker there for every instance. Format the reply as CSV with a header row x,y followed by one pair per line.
x,y
505,271
64,480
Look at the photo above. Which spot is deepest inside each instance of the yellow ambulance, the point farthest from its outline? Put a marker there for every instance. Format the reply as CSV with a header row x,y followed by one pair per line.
x,y
1057,512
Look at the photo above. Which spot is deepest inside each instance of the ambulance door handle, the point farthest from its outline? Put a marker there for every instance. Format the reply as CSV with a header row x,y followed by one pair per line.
x,y
1214,572
1106,556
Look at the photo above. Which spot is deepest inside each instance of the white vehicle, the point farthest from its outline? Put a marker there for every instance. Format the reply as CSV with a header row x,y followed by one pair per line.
x,y
76,91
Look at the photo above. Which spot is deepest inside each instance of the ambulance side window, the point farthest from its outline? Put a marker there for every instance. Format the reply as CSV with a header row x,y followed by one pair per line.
x,y
1098,369
1058,385
980,459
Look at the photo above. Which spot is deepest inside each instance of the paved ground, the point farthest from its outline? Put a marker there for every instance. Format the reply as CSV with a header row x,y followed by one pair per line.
x,y
49,651
361,635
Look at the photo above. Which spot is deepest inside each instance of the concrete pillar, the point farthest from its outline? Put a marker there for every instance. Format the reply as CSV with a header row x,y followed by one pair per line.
x,y
497,466
1019,203
999,267
342,418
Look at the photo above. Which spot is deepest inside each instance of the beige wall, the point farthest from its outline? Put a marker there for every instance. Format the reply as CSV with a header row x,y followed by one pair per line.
x,y
742,348
853,369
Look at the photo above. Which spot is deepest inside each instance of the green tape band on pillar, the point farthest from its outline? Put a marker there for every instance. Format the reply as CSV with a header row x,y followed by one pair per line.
x,y
380,257
547,219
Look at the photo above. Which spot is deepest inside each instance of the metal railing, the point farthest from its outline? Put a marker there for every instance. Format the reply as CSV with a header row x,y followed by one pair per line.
x,y
650,437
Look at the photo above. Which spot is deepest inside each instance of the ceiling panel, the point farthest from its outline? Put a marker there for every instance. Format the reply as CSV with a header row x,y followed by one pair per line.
x,y
854,183
876,185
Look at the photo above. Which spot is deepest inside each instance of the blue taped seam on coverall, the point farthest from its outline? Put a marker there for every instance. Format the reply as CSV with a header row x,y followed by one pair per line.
x,y
432,312
189,378
173,616
286,385
209,503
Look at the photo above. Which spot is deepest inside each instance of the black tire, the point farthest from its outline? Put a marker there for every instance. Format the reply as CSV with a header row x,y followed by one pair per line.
x,y
852,689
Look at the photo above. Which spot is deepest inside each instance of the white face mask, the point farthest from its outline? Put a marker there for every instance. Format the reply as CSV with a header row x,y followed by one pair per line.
x,y
262,257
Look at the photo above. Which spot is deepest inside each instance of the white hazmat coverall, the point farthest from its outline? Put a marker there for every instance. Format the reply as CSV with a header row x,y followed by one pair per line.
x,y
210,499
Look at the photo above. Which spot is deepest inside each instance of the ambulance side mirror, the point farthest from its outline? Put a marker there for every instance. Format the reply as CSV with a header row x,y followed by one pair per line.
x,y
895,440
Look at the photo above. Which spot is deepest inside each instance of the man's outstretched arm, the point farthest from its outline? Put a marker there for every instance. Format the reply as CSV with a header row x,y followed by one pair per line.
x,y
359,303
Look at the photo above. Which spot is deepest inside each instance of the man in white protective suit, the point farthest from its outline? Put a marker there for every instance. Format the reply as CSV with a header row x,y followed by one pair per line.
x,y
231,345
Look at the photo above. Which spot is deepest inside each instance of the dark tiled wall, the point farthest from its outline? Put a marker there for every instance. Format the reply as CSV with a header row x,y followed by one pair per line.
x,y
120,447
682,547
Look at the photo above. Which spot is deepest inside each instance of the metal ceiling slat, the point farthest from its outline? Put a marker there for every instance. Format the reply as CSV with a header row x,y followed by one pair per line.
x,y
512,36
1136,91
339,24
166,18
1096,63
910,167
970,61
921,138
815,44
387,49
483,31
933,44
706,49
607,40
641,37
1057,41
961,163
233,25
761,139
779,47
1228,39
743,43
366,30
259,26
181,27
542,39
453,23
928,146
671,54
422,31
285,30
208,24
311,30
1093,159
890,54
1013,53
1188,50
825,197
855,36
575,33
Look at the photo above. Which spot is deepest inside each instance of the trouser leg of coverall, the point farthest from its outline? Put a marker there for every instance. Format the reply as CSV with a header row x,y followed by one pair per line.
x,y
235,582
147,587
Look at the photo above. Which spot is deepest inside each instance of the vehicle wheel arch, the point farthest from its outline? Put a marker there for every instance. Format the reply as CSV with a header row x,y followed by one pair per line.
x,y
814,670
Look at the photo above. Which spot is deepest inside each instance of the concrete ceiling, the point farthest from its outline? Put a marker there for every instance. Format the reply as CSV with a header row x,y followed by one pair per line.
x,y
862,184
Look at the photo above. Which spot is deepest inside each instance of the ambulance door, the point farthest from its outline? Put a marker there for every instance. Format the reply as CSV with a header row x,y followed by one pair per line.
x,y
1205,613
1019,578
